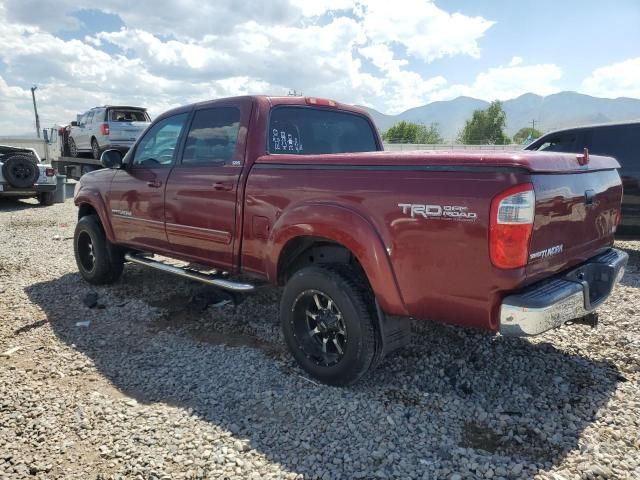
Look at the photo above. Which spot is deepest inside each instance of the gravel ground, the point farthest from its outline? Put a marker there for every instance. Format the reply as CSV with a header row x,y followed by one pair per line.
x,y
152,383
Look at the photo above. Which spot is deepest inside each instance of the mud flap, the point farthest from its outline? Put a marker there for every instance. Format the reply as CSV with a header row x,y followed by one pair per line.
x,y
392,333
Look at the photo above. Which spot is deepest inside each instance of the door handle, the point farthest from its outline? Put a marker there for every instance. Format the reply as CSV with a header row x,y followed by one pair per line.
x,y
155,184
221,186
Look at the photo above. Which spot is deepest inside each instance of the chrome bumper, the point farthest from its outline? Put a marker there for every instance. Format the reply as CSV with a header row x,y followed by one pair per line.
x,y
573,295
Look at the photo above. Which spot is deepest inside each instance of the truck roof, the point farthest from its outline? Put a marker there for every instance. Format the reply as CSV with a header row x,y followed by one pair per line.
x,y
120,106
271,101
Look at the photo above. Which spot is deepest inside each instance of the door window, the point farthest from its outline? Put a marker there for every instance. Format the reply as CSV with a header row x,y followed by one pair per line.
x,y
213,137
90,117
562,142
158,147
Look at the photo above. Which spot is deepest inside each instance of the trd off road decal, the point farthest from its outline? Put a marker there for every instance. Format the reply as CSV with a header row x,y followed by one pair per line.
x,y
440,212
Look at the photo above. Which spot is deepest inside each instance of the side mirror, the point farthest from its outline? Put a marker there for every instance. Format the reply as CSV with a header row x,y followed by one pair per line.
x,y
111,159
45,135
74,124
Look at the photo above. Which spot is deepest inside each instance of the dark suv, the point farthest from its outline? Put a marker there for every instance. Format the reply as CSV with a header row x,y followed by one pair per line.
x,y
622,141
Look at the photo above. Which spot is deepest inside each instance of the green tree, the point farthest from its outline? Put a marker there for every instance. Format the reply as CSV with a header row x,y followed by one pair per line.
x,y
486,127
526,135
409,132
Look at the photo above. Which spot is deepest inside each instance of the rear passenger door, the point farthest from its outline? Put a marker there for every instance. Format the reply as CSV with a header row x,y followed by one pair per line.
x,y
202,191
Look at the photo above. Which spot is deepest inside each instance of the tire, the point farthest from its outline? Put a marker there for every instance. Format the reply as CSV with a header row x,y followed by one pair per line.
x,y
21,171
307,294
73,148
46,198
95,149
99,262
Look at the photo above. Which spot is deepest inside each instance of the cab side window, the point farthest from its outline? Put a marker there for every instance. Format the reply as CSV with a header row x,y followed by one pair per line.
x,y
213,137
159,145
563,142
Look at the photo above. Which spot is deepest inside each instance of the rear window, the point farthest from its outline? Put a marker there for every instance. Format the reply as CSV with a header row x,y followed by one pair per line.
x,y
122,115
308,131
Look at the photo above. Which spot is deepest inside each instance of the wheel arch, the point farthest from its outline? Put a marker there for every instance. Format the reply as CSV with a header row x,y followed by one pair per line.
x,y
90,203
339,233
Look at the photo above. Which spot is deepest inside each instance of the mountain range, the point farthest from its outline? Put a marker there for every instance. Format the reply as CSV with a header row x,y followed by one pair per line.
x,y
560,110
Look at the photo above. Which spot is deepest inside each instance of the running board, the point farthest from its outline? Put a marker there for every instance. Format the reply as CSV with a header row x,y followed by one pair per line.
x,y
190,274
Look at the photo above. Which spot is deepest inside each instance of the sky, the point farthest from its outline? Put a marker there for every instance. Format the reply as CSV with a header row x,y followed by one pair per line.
x,y
389,55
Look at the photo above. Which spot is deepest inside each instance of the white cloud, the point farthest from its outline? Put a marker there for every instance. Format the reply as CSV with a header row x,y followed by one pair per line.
x,y
425,30
515,61
224,48
404,89
616,80
505,82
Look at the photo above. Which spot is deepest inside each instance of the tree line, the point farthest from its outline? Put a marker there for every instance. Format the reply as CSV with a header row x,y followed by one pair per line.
x,y
485,127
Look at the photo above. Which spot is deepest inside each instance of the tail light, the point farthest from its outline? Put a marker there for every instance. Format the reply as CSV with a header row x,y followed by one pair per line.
x,y
104,129
320,102
511,223
50,172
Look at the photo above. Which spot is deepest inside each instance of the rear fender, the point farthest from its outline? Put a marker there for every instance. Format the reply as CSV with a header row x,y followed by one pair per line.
x,y
347,228
92,197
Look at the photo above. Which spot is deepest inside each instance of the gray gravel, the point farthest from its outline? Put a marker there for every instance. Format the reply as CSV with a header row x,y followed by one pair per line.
x,y
148,382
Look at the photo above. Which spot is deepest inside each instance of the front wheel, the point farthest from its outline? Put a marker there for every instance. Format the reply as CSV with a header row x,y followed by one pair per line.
x,y
327,322
99,262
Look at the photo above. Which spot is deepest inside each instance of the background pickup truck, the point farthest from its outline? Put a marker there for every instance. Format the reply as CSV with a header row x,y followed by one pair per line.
x,y
296,191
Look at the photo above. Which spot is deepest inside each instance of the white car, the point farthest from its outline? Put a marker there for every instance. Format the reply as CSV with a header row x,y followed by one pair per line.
x,y
106,128
22,174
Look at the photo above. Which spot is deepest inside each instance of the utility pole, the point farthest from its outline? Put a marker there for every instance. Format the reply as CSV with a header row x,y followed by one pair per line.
x,y
35,109
533,124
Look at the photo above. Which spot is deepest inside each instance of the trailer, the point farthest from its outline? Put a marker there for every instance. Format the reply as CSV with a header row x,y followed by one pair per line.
x,y
63,162
75,167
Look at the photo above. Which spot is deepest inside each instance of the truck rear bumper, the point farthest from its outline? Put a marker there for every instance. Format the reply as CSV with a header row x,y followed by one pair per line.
x,y
8,190
570,296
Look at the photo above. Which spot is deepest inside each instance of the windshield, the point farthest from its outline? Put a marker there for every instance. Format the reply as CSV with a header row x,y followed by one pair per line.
x,y
309,131
122,115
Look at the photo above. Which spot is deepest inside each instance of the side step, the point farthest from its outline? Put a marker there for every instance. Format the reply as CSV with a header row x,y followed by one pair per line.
x,y
190,274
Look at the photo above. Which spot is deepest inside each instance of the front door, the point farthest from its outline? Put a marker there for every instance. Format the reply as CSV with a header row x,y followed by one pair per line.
x,y
201,195
136,198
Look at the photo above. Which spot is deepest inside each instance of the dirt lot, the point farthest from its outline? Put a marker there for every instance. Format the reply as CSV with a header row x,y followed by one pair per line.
x,y
160,380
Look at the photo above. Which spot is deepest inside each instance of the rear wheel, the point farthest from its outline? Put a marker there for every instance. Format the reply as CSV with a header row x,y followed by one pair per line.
x,y
327,322
99,262
95,149
73,148
46,198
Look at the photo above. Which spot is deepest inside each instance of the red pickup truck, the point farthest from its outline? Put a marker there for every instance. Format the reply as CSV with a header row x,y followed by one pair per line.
x,y
298,192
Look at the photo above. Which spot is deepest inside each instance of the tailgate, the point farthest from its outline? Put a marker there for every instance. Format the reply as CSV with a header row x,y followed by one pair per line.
x,y
126,131
575,218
